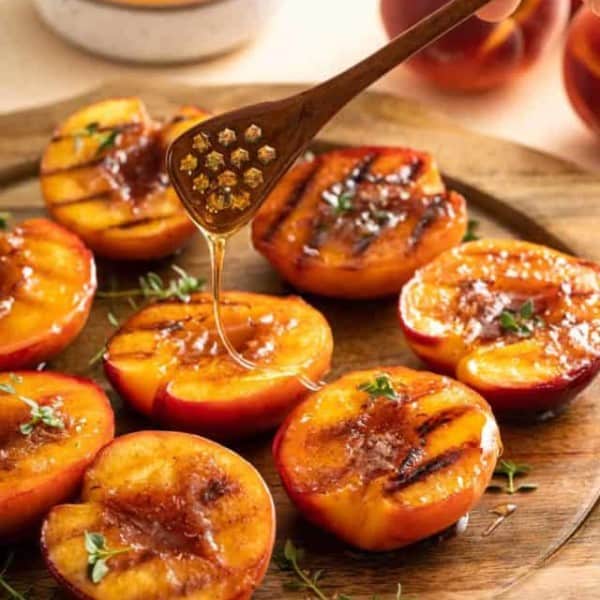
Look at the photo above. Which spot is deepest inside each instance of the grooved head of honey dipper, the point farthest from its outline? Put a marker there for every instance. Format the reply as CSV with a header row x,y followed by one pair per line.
x,y
224,168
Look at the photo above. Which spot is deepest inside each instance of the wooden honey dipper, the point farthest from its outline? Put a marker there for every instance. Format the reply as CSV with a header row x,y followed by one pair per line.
x,y
224,168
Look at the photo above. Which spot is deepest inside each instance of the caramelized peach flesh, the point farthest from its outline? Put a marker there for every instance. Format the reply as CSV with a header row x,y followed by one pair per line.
x,y
197,520
45,467
47,284
458,313
582,67
168,362
382,472
103,176
356,223
477,55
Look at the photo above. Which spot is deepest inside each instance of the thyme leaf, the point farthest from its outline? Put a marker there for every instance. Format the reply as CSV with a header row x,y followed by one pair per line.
x,y
471,233
511,470
98,555
4,219
381,387
112,319
108,141
342,202
523,322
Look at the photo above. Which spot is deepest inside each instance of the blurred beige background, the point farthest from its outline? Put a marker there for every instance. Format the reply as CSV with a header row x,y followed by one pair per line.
x,y
308,40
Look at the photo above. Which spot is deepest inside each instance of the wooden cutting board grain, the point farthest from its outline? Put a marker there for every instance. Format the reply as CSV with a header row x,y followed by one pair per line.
x,y
550,547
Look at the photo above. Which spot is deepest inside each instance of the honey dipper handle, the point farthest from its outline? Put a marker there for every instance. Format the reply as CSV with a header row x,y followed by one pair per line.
x,y
323,101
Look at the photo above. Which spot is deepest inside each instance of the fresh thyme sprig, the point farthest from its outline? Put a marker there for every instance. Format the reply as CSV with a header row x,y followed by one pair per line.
x,y
39,414
4,219
12,593
152,286
471,233
99,554
522,322
511,470
106,139
288,559
381,387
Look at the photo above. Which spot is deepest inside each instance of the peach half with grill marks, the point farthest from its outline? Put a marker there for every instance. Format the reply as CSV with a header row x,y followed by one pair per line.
x,y
181,516
103,176
518,322
168,362
357,222
47,284
386,457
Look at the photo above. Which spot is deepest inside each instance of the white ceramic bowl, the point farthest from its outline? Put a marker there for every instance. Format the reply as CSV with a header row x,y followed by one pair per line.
x,y
155,31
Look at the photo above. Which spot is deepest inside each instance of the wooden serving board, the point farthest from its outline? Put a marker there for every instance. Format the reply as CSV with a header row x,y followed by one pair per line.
x,y
550,548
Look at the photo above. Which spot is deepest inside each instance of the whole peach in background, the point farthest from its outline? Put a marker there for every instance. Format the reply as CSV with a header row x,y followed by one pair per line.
x,y
478,55
582,67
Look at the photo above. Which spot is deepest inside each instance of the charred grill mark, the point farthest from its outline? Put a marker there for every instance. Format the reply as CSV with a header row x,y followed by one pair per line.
x,y
434,210
411,473
136,355
363,244
75,167
138,222
107,196
169,326
291,203
440,419
361,172
411,460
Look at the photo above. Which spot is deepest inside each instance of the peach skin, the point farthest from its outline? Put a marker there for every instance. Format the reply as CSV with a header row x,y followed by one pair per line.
x,y
389,456
518,322
103,176
180,516
168,363
43,456
581,67
480,55
47,284
356,223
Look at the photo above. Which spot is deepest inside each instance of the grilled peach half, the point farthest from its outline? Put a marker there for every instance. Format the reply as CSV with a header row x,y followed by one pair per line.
x,y
357,223
47,284
518,322
385,457
103,176
168,362
193,520
42,461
